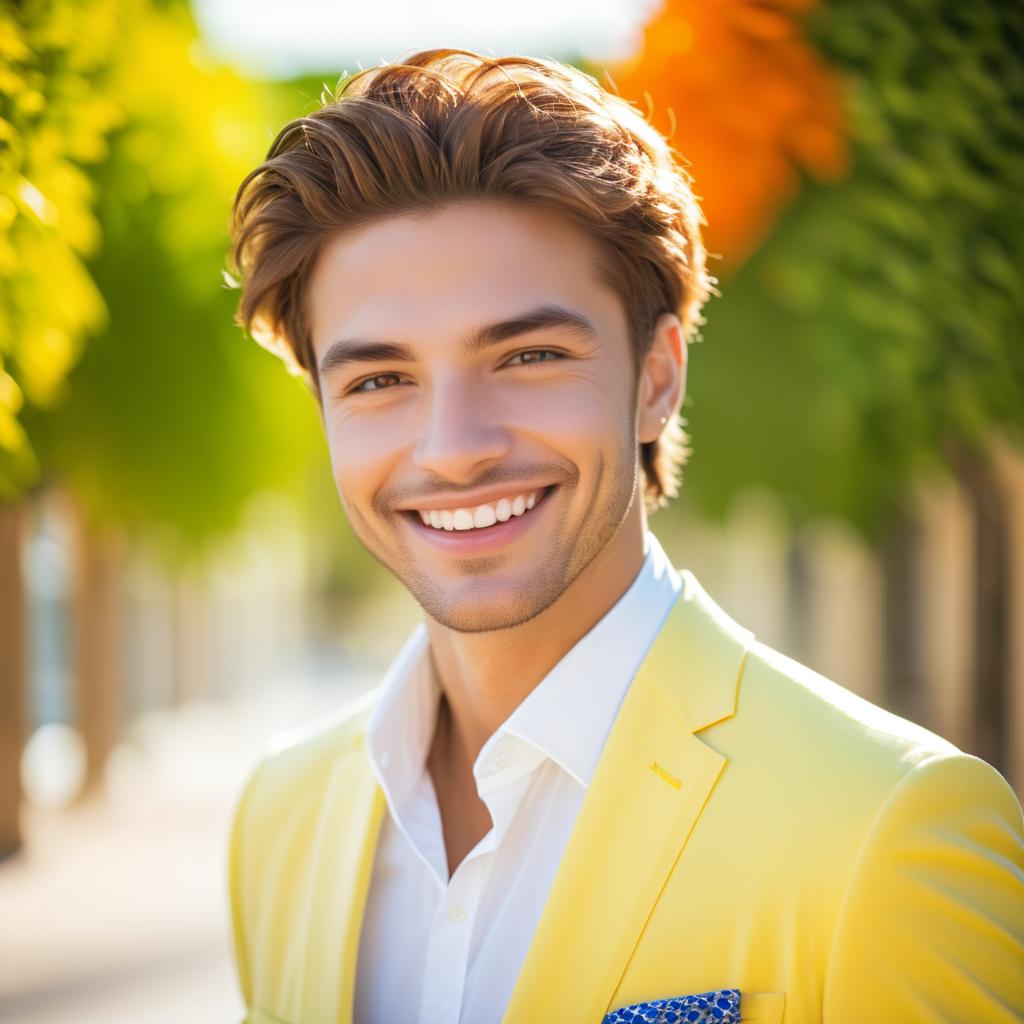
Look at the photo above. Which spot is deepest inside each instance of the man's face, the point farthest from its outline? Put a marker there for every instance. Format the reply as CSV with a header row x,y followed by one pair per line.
x,y
420,419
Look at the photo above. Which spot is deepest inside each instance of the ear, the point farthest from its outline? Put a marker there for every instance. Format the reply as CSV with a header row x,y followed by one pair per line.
x,y
661,385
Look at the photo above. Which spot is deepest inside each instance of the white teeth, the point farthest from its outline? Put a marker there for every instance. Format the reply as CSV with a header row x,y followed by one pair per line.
x,y
484,516
481,516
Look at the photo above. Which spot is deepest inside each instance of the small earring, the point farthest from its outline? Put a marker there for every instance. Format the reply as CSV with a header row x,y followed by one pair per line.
x,y
664,419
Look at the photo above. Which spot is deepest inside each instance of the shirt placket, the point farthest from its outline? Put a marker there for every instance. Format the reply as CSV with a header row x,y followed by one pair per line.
x,y
451,933
452,929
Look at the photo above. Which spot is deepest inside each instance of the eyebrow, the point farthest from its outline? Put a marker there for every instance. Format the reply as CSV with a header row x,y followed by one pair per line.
x,y
355,350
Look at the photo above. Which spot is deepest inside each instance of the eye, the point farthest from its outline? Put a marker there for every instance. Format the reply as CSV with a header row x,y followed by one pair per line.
x,y
537,352
361,388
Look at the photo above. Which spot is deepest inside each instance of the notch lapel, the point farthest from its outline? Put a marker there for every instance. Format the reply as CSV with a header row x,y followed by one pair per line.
x,y
651,784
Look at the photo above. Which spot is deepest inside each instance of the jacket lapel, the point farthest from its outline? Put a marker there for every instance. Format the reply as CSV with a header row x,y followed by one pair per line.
x,y
651,784
342,861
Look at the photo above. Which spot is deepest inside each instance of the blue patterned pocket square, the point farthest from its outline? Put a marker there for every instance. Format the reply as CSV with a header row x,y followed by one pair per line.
x,y
722,1006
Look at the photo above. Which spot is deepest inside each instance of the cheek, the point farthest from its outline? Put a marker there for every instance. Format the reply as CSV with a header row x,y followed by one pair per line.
x,y
362,450
575,418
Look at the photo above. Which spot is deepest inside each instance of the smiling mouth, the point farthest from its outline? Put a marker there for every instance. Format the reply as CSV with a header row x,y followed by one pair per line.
x,y
454,523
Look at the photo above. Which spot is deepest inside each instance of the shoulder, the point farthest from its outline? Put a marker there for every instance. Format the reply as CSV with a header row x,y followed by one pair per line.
x,y
297,763
848,761
823,715
798,744
284,792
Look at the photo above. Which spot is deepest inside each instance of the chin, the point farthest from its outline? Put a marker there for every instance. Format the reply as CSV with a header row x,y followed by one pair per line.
x,y
483,613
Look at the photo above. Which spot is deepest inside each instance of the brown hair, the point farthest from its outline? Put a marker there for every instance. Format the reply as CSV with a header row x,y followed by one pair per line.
x,y
450,124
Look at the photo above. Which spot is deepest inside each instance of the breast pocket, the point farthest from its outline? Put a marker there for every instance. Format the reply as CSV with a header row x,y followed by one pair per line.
x,y
762,1007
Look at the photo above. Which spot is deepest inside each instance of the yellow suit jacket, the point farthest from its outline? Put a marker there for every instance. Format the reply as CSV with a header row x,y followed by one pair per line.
x,y
750,825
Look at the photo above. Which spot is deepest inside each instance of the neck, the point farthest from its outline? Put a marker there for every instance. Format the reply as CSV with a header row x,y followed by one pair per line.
x,y
484,677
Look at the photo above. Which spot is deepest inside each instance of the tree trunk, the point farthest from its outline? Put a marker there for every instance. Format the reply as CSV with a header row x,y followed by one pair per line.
x,y
14,523
904,690
992,658
96,651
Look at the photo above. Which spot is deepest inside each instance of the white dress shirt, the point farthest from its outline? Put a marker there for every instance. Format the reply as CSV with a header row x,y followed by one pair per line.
x,y
440,950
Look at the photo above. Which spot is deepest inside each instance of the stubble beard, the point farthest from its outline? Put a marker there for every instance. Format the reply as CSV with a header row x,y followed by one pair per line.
x,y
572,550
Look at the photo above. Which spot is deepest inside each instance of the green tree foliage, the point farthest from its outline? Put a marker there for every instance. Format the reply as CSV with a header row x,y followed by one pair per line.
x,y
172,417
880,327
54,119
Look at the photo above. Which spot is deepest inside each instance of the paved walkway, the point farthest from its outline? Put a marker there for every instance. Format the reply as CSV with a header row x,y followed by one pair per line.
x,y
116,912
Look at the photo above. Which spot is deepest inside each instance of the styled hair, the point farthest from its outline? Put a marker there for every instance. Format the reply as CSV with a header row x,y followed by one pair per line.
x,y
447,125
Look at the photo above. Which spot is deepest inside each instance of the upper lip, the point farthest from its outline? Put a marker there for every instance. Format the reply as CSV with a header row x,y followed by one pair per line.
x,y
486,497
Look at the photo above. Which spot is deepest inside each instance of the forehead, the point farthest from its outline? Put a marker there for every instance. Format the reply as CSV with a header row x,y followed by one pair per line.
x,y
441,273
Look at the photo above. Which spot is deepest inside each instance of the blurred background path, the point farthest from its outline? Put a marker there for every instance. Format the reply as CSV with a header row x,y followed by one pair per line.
x,y
116,909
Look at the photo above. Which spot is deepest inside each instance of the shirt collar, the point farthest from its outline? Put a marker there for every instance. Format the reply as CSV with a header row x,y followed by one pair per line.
x,y
566,717
401,726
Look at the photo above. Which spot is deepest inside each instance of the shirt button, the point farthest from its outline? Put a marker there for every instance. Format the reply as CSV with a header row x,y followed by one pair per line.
x,y
457,912
508,757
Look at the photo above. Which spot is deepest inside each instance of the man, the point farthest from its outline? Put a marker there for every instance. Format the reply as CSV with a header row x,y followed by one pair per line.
x,y
581,786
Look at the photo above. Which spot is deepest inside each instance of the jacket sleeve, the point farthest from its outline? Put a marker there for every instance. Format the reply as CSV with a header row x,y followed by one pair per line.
x,y
931,926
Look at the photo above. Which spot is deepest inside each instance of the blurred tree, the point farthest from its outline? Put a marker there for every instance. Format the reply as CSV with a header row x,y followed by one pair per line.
x,y
172,419
877,330
875,335
747,101
54,117
169,420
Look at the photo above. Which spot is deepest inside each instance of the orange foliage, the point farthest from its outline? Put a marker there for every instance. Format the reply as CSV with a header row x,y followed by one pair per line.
x,y
746,102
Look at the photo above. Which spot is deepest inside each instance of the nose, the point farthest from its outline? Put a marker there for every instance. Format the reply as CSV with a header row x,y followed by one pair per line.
x,y
459,435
